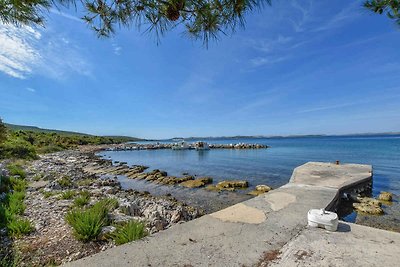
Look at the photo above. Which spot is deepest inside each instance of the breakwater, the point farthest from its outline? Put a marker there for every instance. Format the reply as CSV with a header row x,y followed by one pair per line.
x,y
154,146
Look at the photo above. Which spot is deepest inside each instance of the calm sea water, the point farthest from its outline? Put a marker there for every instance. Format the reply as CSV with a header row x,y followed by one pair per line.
x,y
274,166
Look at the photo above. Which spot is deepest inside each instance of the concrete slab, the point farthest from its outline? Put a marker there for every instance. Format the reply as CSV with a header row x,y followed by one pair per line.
x,y
330,174
352,245
241,234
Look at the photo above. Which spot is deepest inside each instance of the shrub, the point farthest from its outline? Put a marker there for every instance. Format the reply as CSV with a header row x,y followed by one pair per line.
x,y
18,185
87,223
49,149
85,182
82,200
16,204
18,226
67,194
133,230
17,148
65,181
16,169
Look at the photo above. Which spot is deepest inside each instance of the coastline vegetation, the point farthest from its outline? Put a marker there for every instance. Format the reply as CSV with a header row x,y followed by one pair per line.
x,y
19,142
12,205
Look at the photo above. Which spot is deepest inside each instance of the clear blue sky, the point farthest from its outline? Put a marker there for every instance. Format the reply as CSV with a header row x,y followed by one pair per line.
x,y
299,67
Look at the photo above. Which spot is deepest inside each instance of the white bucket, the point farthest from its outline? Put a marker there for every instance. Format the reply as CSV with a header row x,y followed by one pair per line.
x,y
324,219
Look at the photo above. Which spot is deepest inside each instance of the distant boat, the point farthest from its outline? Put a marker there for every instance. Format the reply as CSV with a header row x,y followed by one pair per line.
x,y
182,145
201,146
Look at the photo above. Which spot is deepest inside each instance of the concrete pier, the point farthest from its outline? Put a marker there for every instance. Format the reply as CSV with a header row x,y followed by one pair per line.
x,y
243,234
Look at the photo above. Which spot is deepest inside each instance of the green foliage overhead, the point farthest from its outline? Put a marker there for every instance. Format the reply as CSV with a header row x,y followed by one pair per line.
x,y
389,7
201,19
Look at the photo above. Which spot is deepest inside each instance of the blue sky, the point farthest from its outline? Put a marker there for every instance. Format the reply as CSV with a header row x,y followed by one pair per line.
x,y
299,67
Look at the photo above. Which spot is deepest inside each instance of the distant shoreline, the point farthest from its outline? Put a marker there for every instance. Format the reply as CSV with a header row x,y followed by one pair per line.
x,y
280,137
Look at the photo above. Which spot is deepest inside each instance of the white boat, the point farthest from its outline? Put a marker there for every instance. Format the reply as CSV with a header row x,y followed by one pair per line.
x,y
201,146
180,145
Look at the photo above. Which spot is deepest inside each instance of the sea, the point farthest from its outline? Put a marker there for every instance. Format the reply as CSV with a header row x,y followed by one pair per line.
x,y
272,166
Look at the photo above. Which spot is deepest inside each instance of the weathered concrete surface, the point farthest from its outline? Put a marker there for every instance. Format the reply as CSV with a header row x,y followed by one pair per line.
x,y
352,245
330,175
239,235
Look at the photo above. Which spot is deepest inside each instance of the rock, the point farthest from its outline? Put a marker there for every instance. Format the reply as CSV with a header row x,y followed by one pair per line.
x,y
233,184
369,201
260,189
106,231
368,208
263,188
385,196
197,182
228,185
130,209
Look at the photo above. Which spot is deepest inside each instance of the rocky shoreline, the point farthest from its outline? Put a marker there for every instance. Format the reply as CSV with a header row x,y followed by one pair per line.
x,y
52,241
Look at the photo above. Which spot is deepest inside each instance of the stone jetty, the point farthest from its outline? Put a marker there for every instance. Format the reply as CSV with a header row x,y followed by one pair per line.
x,y
154,146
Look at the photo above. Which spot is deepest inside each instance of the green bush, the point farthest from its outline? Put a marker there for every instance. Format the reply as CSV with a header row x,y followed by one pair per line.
x,y
69,194
18,226
17,148
87,223
82,200
16,204
16,169
133,230
49,149
18,185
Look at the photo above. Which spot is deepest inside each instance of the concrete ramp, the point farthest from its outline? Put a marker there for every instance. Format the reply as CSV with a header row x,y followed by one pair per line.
x,y
240,235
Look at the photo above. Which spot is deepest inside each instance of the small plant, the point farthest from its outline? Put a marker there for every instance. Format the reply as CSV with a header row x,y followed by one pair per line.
x,y
87,223
86,182
82,200
65,181
37,177
17,227
108,203
69,194
133,230
48,194
16,169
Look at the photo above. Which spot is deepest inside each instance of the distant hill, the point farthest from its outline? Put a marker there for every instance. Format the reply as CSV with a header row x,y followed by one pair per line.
x,y
279,136
15,127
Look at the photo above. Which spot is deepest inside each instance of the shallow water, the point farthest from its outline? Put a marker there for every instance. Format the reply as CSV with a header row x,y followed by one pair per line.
x,y
274,166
